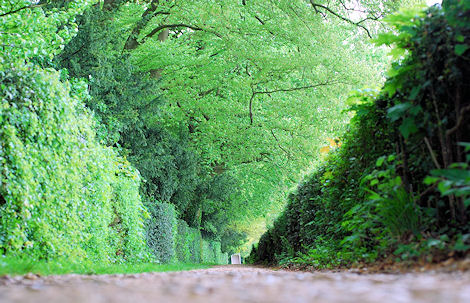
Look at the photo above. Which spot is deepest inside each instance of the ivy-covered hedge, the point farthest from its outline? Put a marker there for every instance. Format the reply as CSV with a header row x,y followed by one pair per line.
x,y
62,194
161,231
398,187
183,242
191,248
211,253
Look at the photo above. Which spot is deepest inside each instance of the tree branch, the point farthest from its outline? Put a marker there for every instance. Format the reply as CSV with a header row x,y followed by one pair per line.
x,y
162,27
251,107
431,152
315,6
296,88
131,42
459,121
279,144
291,89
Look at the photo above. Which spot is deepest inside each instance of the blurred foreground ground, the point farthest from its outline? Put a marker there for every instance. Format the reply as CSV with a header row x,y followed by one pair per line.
x,y
228,284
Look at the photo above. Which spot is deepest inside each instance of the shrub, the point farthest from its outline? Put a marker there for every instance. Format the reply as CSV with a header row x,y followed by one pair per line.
x,y
207,252
183,242
60,189
195,240
190,248
211,253
161,231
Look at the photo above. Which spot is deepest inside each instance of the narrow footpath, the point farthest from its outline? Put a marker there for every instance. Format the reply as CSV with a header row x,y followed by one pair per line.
x,y
227,284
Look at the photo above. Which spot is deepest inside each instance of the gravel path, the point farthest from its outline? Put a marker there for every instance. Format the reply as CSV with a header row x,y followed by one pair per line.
x,y
229,284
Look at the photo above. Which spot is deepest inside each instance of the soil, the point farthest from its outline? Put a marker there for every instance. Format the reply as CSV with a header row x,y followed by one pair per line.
x,y
234,283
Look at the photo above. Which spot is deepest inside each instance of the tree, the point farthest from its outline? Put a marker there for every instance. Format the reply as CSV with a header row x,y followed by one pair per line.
x,y
258,84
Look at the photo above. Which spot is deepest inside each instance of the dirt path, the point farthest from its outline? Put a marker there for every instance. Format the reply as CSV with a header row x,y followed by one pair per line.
x,y
229,284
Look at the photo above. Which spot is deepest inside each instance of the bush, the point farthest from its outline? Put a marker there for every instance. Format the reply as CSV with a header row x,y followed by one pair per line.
x,y
195,240
183,242
129,221
220,258
190,248
211,253
207,252
60,189
161,231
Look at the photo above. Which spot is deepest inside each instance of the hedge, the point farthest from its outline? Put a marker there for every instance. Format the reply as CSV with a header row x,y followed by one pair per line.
x,y
62,193
161,231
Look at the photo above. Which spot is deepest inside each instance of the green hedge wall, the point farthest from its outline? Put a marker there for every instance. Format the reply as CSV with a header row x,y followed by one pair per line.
x,y
211,253
183,242
207,252
62,193
161,231
191,248
195,245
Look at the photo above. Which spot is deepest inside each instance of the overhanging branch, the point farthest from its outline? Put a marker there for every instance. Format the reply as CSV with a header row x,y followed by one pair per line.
x,y
131,42
291,89
165,26
358,24
279,144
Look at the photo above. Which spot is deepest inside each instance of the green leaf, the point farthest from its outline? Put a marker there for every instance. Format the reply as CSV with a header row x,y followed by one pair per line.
x,y
442,187
408,127
398,111
414,93
466,145
466,202
373,195
460,49
430,180
452,174
433,242
380,161
415,110
460,246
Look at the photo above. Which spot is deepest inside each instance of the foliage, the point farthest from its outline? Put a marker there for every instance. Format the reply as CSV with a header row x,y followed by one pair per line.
x,y
368,199
183,242
211,253
23,265
454,180
232,240
191,248
123,96
127,102
63,194
56,177
220,106
161,231
259,96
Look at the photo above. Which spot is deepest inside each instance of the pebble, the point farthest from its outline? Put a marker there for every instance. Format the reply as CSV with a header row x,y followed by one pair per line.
x,y
31,276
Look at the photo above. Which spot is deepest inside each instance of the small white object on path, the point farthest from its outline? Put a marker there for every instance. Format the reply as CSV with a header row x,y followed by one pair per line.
x,y
235,259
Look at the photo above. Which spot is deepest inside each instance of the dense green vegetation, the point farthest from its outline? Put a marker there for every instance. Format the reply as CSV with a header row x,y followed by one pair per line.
x,y
398,187
68,191
19,266
142,132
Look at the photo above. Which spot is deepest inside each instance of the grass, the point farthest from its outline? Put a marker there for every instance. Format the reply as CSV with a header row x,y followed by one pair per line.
x,y
20,266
